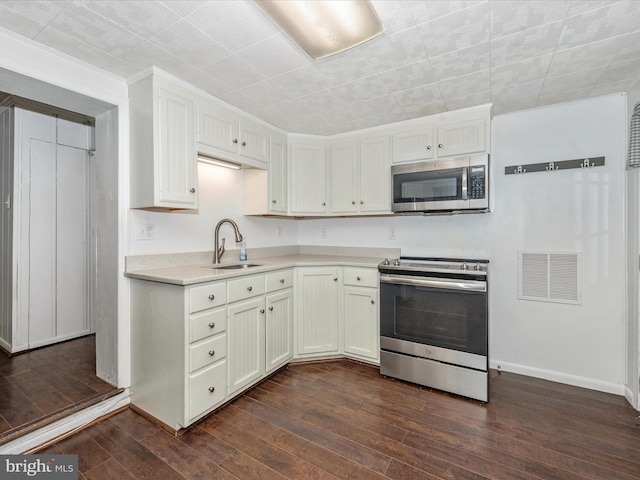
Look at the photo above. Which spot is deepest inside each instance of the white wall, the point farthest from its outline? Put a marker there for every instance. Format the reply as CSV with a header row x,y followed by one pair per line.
x,y
220,197
574,211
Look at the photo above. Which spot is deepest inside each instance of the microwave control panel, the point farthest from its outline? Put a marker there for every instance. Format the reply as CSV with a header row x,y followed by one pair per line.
x,y
476,182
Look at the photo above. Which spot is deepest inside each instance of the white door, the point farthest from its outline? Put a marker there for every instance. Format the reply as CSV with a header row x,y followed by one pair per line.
x,y
58,243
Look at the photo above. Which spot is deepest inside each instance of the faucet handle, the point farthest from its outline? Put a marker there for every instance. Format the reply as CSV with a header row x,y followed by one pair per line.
x,y
221,248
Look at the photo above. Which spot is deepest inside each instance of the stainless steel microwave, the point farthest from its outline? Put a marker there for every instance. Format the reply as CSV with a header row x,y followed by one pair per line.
x,y
453,185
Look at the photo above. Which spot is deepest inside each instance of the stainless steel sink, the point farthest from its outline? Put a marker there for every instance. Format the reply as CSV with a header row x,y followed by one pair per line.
x,y
235,266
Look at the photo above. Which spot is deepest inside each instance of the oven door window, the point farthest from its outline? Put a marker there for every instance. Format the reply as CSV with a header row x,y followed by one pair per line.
x,y
444,318
430,186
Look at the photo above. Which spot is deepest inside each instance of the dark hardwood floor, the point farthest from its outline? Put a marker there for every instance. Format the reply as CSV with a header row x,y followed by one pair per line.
x,y
343,420
43,384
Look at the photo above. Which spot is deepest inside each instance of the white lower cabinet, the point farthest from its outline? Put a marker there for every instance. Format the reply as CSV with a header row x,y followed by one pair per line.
x,y
279,329
360,311
245,331
318,319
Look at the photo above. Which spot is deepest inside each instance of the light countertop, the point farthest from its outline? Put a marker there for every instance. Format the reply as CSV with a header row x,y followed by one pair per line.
x,y
193,274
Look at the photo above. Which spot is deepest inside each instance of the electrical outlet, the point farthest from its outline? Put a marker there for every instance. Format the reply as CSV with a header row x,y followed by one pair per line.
x,y
144,231
392,233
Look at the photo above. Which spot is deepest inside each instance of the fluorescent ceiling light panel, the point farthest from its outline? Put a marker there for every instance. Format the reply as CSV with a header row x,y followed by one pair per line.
x,y
325,28
215,161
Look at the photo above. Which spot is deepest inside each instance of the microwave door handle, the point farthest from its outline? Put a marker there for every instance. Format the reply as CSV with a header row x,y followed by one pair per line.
x,y
465,174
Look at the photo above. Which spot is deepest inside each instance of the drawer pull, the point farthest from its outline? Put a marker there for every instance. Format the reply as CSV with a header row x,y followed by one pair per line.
x,y
212,389
282,280
213,352
249,288
212,296
212,325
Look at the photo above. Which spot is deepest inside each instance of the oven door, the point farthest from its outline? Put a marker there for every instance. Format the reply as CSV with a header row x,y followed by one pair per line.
x,y
445,313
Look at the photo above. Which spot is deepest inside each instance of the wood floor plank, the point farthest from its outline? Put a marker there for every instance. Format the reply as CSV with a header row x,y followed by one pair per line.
x,y
343,420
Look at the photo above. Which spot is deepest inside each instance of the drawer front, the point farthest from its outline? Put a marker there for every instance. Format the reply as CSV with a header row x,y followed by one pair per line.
x,y
207,388
207,352
207,323
207,296
360,277
279,280
245,287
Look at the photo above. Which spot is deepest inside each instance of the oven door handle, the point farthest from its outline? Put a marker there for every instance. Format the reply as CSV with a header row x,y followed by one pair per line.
x,y
466,285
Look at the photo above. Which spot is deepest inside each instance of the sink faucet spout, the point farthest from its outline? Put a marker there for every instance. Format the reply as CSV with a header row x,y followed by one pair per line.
x,y
218,250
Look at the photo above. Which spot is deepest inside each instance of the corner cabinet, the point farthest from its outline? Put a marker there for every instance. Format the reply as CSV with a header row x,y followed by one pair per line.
x,y
162,145
308,179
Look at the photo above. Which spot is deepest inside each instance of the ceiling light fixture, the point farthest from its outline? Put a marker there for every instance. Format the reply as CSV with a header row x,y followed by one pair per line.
x,y
325,28
220,163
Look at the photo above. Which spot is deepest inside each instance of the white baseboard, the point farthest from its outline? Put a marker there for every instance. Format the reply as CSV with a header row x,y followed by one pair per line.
x,y
591,383
65,426
631,398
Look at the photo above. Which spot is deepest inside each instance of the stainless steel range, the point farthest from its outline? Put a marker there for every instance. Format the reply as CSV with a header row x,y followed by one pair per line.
x,y
434,323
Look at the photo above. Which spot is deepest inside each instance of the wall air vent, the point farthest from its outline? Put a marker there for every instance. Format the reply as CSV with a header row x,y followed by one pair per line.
x,y
550,277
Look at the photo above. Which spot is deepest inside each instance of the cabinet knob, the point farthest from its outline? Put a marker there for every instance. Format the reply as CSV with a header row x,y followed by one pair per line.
x,y
249,288
353,202
212,325
361,202
262,310
212,296
324,203
235,140
428,147
192,190
373,301
212,353
244,144
212,389
273,201
335,279
440,145
358,278
271,309
282,280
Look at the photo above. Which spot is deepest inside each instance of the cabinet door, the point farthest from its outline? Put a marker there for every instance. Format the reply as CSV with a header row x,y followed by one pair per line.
x,y
375,175
176,159
413,145
278,175
307,179
217,127
344,178
245,352
318,314
462,137
254,142
361,322
279,325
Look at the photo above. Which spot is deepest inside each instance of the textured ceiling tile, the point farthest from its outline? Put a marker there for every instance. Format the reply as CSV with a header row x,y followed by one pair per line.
x,y
408,76
243,23
143,18
146,54
461,62
567,94
461,86
189,44
631,48
18,23
392,51
345,67
95,30
428,11
395,16
417,97
476,98
509,17
585,57
275,55
234,72
579,79
516,97
361,89
582,6
618,86
459,30
40,11
207,83
502,106
183,7
265,93
527,70
303,81
620,69
616,19
528,43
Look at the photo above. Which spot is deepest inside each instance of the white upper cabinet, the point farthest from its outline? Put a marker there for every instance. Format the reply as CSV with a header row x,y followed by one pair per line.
x,y
360,177
413,145
225,134
461,138
162,145
307,179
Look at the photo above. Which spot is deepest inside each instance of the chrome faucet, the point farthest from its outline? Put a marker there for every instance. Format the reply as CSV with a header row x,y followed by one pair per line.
x,y
219,249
